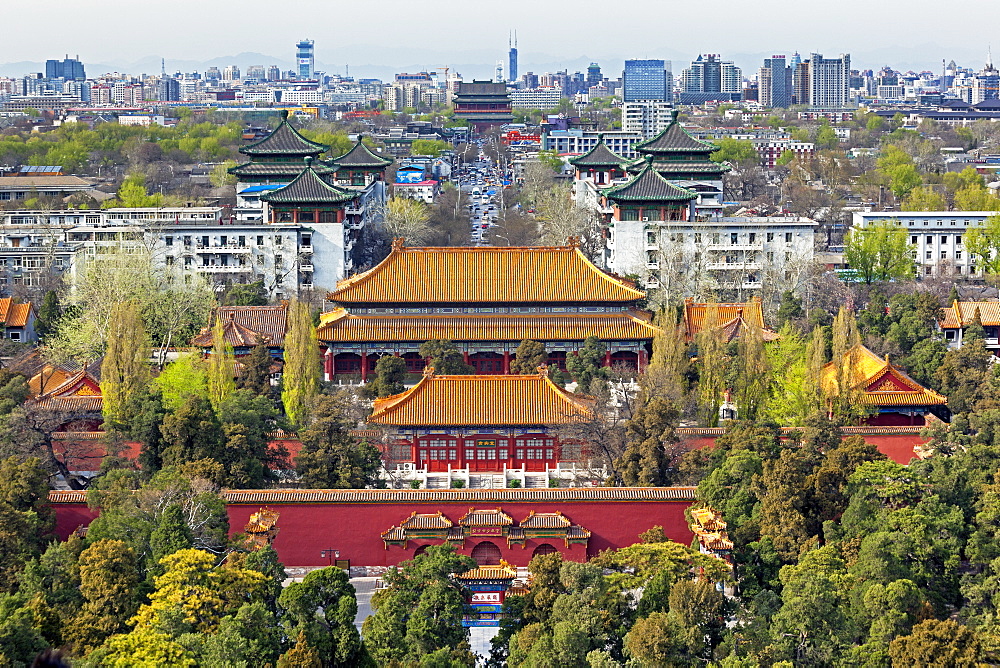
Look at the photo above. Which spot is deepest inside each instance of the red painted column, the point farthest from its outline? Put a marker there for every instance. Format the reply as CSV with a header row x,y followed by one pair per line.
x,y
465,356
607,358
328,364
506,362
643,355
364,367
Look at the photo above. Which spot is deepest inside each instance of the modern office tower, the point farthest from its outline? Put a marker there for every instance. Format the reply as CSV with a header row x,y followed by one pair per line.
x,y
69,68
711,78
231,73
512,60
775,83
594,76
829,81
646,80
305,59
273,73
168,89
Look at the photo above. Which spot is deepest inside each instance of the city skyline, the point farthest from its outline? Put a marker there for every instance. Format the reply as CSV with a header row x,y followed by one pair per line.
x,y
914,42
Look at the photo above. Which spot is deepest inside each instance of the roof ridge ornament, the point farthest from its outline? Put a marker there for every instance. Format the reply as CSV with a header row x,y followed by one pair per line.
x,y
428,371
573,242
284,114
398,243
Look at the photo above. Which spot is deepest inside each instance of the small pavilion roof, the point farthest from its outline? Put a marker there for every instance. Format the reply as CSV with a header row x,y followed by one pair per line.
x,y
80,393
486,517
649,186
276,170
284,140
482,400
13,314
310,188
732,317
502,571
599,156
426,521
246,326
961,314
881,382
674,139
554,520
360,156
468,275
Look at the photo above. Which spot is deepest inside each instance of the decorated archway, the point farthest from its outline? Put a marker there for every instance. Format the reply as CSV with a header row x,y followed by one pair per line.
x,y
486,554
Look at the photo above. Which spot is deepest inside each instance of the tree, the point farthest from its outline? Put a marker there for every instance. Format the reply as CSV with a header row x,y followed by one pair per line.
x,y
191,433
420,611
587,365
983,243
302,655
245,294
390,375
221,367
735,151
924,198
48,314
967,377
936,643
651,437
109,580
256,375
880,252
331,457
428,147
124,370
898,166
406,218
302,362
530,355
444,357
183,378
323,608
132,194
711,367
753,376
25,516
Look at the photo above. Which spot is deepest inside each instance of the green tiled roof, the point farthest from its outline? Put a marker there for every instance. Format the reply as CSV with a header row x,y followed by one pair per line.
x,y
278,170
649,186
671,168
360,156
284,140
599,156
309,188
674,139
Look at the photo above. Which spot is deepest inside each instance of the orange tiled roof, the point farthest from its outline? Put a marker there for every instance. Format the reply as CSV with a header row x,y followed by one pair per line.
x,y
731,317
484,275
15,315
884,384
408,496
339,325
502,571
80,393
233,333
481,400
426,521
486,517
545,521
960,314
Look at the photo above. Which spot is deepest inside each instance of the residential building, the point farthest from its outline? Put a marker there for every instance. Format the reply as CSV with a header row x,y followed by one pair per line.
x,y
305,60
487,302
647,80
936,237
577,141
775,83
17,321
646,117
18,188
830,82
957,318
537,98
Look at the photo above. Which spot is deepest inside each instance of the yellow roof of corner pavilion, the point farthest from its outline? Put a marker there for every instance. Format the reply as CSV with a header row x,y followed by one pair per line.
x,y
481,400
339,325
478,275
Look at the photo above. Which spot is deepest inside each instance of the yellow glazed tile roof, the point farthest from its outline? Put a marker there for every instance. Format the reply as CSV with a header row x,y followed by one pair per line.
x,y
482,400
426,521
731,317
960,314
883,382
339,325
545,521
486,517
475,275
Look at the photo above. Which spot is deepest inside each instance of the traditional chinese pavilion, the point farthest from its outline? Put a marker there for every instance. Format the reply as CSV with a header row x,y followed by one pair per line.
x,y
279,157
732,318
383,527
600,164
886,390
244,327
648,197
957,317
482,423
359,166
486,300
484,104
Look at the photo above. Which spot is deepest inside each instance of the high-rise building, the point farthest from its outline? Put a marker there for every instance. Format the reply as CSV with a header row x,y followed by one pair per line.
x,y
231,73
69,68
512,60
646,80
775,83
829,81
168,90
305,59
273,73
800,80
710,78
594,76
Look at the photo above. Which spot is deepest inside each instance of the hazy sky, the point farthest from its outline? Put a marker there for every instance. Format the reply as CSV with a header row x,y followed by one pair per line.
x,y
412,32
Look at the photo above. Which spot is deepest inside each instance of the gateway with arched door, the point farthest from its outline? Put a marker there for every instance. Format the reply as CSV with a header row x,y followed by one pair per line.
x,y
486,554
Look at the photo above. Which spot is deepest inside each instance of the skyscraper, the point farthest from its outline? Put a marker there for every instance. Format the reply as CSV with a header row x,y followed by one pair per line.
x,y
775,83
829,81
69,68
710,78
305,59
594,76
512,56
646,80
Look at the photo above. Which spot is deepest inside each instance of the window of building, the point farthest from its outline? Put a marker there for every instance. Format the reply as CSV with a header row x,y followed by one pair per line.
x,y
958,239
169,241
734,238
260,240
930,255
697,237
788,237
944,239
770,236
913,239
169,260
15,336
650,238
927,271
958,255
753,237
930,239
944,255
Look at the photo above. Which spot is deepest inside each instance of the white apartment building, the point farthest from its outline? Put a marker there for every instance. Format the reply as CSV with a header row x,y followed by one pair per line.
x,y
581,141
937,238
536,98
829,82
646,117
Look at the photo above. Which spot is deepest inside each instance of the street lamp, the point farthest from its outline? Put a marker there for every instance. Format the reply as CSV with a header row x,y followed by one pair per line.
x,y
329,553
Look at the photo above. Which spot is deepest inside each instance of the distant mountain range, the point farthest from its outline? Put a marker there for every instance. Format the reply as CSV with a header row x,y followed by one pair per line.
x,y
383,62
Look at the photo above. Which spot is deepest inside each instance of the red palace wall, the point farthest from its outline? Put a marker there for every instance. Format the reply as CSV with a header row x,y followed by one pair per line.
x,y
354,528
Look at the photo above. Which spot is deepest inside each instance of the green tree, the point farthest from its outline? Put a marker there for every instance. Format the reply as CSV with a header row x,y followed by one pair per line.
x,y
302,655
711,367
390,375
302,364
182,379
444,357
587,365
753,378
323,607
649,433
790,308
143,647
109,579
924,198
735,151
880,252
48,314
967,377
983,244
331,457
249,459
221,367
25,516
191,433
530,355
170,535
125,368
657,640
256,375
936,643
245,294
429,147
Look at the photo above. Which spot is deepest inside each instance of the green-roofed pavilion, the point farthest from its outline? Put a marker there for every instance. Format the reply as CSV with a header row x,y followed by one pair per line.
x,y
279,157
600,163
678,156
359,166
649,196
309,199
